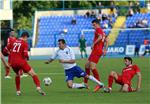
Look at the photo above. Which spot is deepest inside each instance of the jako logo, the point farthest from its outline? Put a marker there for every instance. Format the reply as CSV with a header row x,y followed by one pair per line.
x,y
115,49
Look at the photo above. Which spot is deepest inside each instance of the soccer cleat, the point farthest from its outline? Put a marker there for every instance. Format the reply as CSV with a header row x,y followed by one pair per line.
x,y
41,92
97,87
24,75
18,93
102,85
7,77
107,90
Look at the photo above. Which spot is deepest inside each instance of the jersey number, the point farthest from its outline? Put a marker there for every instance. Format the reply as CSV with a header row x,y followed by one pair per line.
x,y
16,47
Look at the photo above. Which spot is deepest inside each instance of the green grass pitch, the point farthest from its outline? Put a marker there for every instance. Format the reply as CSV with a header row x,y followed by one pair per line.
x,y
58,93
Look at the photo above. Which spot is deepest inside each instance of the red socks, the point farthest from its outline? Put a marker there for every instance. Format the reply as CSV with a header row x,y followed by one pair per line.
x,y
95,74
17,79
110,81
7,71
36,80
87,70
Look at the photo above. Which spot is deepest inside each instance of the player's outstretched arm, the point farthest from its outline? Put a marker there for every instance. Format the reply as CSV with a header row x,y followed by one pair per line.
x,y
139,76
67,61
52,58
6,52
3,60
106,45
49,61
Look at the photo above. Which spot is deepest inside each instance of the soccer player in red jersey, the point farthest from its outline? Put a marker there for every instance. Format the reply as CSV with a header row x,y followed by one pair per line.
x,y
125,78
18,61
6,51
10,40
98,49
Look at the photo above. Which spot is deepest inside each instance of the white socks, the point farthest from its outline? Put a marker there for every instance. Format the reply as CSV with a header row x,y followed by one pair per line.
x,y
76,85
95,80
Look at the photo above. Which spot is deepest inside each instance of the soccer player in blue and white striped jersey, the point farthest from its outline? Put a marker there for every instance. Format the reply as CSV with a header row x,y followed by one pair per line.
x,y
66,57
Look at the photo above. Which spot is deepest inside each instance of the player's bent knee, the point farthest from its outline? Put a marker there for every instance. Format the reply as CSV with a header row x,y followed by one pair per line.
x,y
92,67
125,88
31,72
87,65
87,76
17,75
69,85
113,73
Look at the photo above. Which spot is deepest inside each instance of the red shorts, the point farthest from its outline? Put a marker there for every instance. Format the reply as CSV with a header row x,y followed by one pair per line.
x,y
94,57
121,80
21,65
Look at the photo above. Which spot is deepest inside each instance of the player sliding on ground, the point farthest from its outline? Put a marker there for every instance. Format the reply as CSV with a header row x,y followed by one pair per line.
x,y
66,56
125,79
19,57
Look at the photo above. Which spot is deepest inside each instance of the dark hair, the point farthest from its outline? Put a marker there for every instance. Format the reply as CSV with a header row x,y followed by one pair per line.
x,y
25,34
128,58
62,40
96,21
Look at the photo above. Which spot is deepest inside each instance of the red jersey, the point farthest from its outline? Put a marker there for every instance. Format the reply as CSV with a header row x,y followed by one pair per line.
x,y
10,41
129,72
19,51
99,46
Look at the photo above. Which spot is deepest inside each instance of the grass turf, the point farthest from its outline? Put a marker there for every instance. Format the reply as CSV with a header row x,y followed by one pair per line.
x,y
58,93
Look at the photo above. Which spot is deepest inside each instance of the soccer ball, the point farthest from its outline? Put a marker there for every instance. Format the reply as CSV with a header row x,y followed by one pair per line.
x,y
47,81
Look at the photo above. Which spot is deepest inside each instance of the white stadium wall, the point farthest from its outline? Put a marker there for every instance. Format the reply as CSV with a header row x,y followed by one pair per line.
x,y
50,51
111,51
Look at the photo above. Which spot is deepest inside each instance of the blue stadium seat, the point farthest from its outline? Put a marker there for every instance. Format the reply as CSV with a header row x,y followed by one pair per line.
x,y
50,28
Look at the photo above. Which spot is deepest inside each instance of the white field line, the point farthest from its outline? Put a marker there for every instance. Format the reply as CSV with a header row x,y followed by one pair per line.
x,y
50,73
